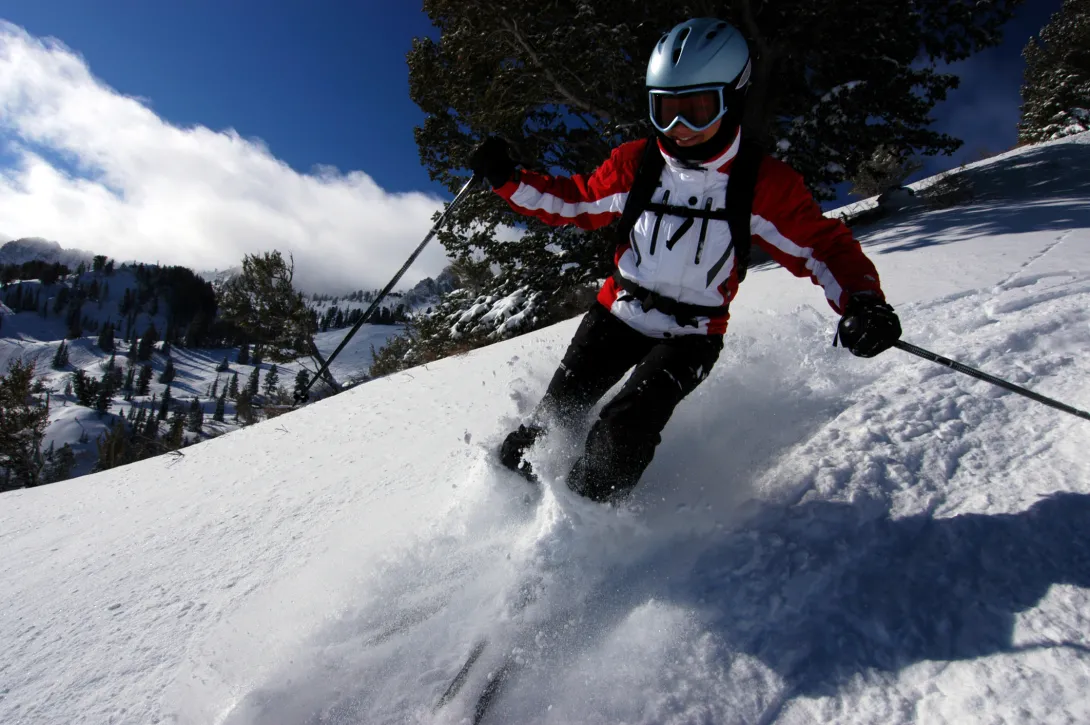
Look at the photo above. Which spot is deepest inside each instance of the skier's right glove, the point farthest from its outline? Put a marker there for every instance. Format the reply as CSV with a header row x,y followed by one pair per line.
x,y
492,160
869,326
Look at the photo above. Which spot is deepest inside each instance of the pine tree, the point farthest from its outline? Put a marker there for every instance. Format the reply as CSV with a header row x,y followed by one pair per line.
x,y
244,409
132,354
215,388
301,380
143,383
147,343
261,302
195,419
244,354
1056,82
232,389
106,337
22,425
272,380
60,358
252,385
176,435
168,373
258,356
103,395
128,387
221,407
223,366
164,406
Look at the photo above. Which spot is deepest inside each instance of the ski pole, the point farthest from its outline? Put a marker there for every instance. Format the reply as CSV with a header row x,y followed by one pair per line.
x,y
953,364
302,395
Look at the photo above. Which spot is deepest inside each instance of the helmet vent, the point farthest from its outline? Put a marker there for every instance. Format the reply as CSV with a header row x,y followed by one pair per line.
x,y
677,55
711,35
684,34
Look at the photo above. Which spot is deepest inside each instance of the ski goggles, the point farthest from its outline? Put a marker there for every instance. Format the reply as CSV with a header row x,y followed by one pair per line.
x,y
696,108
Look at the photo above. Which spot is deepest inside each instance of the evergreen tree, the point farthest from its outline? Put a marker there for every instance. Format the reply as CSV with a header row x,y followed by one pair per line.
x,y
168,373
60,358
164,405
258,356
22,425
244,354
129,382
195,419
151,427
132,354
221,407
106,337
147,343
301,380
113,448
223,366
143,383
1056,82
244,408
261,302
272,380
215,388
103,399
252,385
232,389
176,434
74,320
58,464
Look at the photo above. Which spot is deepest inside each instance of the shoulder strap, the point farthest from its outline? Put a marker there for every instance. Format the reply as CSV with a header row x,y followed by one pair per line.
x,y
643,187
740,192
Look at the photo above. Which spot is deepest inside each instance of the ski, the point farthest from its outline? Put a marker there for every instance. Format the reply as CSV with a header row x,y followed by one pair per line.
x,y
488,694
463,674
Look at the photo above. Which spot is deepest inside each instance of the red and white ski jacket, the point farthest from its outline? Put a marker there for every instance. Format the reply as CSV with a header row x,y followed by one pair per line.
x,y
786,222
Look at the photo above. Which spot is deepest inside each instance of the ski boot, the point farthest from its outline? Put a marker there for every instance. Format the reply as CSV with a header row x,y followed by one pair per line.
x,y
515,446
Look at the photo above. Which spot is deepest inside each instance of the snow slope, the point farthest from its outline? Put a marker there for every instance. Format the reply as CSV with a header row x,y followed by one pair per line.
x,y
819,539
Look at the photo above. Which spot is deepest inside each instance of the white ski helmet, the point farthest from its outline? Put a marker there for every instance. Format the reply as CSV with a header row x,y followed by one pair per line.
x,y
698,73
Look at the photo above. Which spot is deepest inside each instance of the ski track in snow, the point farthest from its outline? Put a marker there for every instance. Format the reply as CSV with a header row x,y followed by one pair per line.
x,y
819,539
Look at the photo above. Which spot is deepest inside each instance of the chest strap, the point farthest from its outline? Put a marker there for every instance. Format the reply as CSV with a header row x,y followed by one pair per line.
x,y
683,312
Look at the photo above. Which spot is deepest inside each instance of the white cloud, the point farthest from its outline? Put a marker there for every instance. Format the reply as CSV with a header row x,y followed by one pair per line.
x,y
99,170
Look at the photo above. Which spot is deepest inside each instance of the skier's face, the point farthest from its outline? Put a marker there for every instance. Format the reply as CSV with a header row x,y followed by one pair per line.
x,y
683,136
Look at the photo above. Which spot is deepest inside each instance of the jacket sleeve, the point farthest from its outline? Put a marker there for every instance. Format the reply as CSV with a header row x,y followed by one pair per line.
x,y
788,223
589,202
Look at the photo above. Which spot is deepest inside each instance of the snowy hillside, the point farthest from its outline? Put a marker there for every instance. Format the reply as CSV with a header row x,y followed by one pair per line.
x,y
820,538
35,337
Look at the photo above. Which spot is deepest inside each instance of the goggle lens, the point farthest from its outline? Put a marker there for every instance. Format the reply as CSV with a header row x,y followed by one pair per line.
x,y
696,109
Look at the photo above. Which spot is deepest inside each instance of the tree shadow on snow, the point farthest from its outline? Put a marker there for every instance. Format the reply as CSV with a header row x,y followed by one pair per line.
x,y
820,593
1041,190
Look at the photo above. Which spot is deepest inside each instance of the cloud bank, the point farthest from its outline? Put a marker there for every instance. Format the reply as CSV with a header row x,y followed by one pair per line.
x,y
89,167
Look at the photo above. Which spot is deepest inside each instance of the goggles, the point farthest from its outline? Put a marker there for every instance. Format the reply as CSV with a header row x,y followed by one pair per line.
x,y
696,108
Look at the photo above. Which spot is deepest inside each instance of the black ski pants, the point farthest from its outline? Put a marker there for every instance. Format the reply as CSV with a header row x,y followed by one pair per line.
x,y
622,442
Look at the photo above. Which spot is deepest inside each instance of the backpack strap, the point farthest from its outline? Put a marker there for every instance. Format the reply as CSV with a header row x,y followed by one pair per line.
x,y
741,188
643,187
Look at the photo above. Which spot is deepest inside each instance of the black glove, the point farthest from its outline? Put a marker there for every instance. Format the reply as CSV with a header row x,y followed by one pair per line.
x,y
869,326
492,160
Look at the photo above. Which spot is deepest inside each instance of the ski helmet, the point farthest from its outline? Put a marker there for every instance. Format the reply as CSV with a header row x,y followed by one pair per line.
x,y
699,73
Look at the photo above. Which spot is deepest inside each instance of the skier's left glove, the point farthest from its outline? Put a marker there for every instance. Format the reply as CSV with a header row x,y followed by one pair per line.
x,y
869,326
492,160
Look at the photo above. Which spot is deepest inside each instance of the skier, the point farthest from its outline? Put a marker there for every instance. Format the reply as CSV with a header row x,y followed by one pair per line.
x,y
665,308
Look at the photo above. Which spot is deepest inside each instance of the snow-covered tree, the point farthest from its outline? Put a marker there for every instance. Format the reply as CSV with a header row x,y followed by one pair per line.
x,y
1056,82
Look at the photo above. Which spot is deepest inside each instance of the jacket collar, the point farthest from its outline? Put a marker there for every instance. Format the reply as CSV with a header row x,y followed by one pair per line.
x,y
720,162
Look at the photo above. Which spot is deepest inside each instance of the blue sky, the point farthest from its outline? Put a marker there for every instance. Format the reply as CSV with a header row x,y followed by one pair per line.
x,y
326,83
